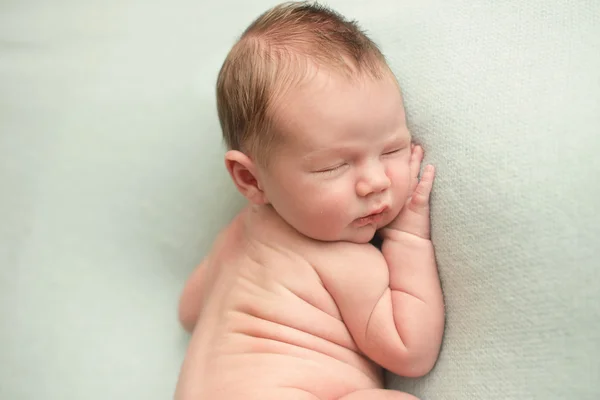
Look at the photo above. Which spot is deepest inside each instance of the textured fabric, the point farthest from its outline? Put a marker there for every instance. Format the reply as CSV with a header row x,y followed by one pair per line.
x,y
505,96
113,186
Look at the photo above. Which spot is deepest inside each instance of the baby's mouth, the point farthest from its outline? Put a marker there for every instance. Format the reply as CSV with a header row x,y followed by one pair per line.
x,y
373,218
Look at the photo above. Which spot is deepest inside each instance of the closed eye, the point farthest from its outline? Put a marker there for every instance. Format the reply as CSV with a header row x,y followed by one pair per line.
x,y
390,152
329,170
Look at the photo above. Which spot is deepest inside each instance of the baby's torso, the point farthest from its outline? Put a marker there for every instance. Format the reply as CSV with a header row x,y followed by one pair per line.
x,y
268,322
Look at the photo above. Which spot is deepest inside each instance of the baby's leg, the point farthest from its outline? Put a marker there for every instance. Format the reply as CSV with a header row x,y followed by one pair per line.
x,y
191,298
378,394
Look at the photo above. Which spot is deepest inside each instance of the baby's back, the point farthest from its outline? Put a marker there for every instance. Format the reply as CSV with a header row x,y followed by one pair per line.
x,y
268,326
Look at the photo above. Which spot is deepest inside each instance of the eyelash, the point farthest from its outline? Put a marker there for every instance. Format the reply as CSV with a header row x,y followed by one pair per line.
x,y
331,170
387,153
334,169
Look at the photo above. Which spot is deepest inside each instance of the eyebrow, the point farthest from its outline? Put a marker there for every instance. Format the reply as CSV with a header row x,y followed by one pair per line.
x,y
341,150
329,152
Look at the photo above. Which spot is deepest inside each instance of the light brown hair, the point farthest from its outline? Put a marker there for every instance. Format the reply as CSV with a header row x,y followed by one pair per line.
x,y
272,55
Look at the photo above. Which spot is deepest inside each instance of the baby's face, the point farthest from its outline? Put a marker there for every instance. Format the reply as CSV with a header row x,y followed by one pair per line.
x,y
342,171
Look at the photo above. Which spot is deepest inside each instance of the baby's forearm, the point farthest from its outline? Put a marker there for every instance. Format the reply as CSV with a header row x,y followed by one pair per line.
x,y
417,302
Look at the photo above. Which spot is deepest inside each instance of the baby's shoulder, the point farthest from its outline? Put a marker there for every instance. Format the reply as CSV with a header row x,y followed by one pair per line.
x,y
346,256
345,268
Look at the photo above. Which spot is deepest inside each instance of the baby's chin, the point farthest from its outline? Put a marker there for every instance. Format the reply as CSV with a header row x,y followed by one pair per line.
x,y
366,233
353,235
363,235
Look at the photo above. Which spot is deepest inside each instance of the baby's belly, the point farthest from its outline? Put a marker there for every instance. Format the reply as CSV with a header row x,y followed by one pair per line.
x,y
255,364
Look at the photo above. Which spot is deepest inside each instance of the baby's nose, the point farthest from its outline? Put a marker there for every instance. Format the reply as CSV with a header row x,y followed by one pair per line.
x,y
375,181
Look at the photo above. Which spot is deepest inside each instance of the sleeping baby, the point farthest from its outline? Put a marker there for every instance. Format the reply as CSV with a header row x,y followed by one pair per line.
x,y
294,302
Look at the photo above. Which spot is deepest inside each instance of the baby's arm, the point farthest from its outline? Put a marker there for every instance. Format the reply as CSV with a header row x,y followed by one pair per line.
x,y
191,298
392,303
416,295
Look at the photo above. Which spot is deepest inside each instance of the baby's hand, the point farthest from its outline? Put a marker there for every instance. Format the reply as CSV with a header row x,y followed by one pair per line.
x,y
414,216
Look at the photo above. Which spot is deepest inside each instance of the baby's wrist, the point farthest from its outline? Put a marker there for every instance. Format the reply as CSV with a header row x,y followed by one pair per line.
x,y
390,233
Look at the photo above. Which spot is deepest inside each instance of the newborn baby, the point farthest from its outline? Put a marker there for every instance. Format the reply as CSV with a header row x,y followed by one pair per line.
x,y
293,302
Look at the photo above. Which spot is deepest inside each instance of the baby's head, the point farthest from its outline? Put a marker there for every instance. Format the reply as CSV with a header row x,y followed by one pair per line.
x,y
314,122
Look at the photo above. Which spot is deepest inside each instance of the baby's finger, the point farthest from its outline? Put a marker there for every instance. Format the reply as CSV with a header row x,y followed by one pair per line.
x,y
421,194
416,158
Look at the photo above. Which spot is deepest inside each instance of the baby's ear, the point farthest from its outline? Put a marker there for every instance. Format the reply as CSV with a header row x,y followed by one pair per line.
x,y
243,172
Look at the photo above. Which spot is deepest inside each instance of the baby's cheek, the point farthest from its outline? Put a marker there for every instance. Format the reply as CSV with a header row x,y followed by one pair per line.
x,y
400,181
337,203
337,206
398,174
319,202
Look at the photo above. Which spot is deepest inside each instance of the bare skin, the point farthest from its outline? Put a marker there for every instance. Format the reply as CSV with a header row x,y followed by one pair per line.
x,y
275,314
